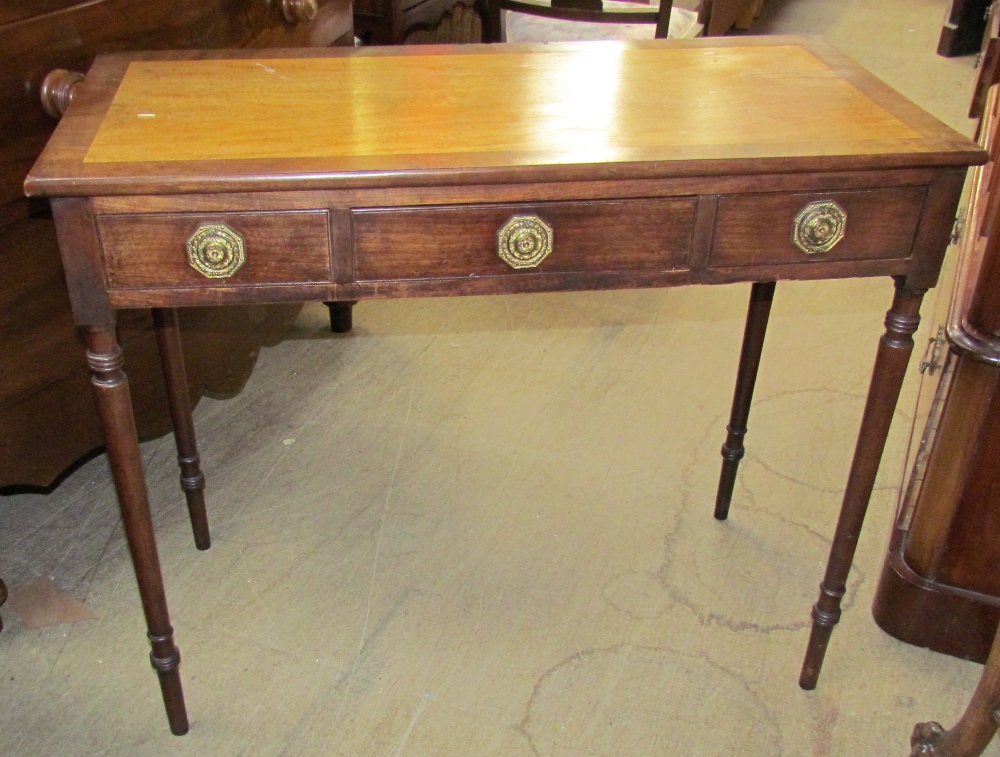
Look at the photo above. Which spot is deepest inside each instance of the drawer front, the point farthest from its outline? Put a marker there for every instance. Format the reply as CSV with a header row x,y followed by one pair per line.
x,y
756,229
228,249
462,241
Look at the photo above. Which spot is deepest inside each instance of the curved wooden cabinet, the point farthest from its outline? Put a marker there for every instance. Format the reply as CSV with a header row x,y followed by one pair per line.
x,y
46,416
940,587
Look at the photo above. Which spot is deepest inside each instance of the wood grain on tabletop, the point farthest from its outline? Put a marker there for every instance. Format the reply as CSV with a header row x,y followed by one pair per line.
x,y
466,115
433,104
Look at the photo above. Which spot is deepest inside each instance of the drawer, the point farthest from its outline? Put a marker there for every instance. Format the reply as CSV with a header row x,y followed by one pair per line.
x,y
462,240
227,249
753,229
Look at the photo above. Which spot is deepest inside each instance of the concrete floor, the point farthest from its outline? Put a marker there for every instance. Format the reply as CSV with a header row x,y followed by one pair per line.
x,y
483,527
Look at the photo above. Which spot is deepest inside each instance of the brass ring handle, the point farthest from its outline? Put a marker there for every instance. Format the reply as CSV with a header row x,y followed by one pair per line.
x,y
296,11
58,89
524,241
819,226
216,251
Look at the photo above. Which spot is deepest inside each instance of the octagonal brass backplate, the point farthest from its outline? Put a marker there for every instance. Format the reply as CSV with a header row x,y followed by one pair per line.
x,y
216,251
819,226
524,241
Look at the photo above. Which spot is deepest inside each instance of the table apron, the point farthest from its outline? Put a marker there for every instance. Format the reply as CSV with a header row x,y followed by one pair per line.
x,y
207,252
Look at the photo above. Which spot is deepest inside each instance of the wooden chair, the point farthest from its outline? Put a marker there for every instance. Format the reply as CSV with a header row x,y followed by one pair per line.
x,y
589,19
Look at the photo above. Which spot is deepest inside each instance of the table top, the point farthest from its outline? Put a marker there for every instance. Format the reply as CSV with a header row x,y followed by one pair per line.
x,y
298,119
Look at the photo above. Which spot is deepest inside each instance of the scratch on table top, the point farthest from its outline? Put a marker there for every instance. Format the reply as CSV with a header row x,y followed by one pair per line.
x,y
273,71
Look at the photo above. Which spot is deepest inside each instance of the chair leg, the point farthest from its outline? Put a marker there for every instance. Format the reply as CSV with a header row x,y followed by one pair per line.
x,y
891,360
761,296
168,337
974,730
341,316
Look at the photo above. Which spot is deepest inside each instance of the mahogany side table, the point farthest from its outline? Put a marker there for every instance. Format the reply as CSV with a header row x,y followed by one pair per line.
x,y
219,178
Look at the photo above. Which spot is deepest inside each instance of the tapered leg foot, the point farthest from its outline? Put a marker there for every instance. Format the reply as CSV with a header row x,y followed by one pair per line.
x,y
168,338
891,360
165,658
824,619
341,316
114,407
761,296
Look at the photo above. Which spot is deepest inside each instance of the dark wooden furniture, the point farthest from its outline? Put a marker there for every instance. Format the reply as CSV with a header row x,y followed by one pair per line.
x,y
575,10
46,415
484,189
392,22
964,26
940,587
948,539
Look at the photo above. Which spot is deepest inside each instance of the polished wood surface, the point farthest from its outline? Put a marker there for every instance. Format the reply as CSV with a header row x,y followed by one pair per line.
x,y
400,186
159,113
961,488
402,105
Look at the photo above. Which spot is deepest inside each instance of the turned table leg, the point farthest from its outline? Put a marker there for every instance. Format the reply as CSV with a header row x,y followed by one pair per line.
x,y
168,337
761,296
341,316
891,360
974,730
114,407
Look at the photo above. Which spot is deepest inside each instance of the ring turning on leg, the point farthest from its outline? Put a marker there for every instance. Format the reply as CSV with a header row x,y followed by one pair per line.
x,y
761,296
168,338
891,360
114,407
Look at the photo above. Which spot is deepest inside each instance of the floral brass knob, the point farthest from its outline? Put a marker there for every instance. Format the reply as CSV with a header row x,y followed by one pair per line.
x,y
524,241
295,11
819,226
216,251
